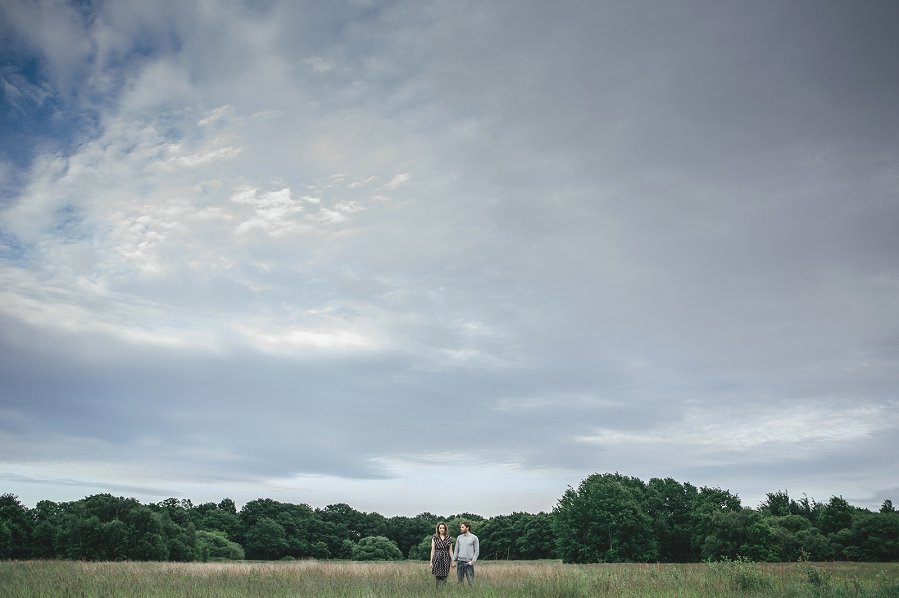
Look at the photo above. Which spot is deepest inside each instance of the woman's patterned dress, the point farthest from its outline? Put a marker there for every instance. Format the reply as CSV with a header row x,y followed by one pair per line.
x,y
440,566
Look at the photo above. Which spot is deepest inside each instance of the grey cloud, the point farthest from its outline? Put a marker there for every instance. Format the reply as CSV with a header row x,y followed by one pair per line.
x,y
617,216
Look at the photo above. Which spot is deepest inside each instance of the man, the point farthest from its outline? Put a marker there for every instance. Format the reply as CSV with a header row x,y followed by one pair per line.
x,y
467,549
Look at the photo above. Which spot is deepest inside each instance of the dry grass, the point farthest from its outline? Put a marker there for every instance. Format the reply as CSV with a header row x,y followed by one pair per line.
x,y
506,579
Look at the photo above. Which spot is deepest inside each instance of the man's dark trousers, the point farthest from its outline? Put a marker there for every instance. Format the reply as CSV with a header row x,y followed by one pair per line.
x,y
464,569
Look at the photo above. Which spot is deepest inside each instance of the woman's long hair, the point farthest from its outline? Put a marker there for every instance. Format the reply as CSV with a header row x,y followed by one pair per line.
x,y
437,529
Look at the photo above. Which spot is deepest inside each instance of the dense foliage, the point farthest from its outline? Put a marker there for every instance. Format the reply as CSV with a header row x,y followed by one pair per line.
x,y
615,518
376,548
607,518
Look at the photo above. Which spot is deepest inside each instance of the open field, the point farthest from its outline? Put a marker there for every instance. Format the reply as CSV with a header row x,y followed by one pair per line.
x,y
506,579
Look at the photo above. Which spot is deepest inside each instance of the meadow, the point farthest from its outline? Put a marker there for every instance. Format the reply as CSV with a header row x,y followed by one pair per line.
x,y
494,579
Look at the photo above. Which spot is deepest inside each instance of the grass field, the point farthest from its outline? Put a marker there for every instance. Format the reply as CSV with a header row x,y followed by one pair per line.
x,y
512,579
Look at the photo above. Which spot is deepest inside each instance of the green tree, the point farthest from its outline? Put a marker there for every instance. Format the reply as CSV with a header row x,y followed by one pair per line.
x,y
472,517
723,533
81,537
345,551
221,520
873,537
227,505
357,523
810,509
178,511
603,521
422,550
6,542
835,516
115,540
816,546
730,534
786,530
715,509
517,536
777,503
407,531
306,534
537,539
213,546
47,517
761,540
498,535
266,540
19,524
376,548
147,537
670,505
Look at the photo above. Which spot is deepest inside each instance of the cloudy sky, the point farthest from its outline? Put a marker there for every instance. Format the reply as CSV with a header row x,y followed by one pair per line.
x,y
447,256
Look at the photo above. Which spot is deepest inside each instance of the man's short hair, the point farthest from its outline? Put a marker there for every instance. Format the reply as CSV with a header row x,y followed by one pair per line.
x,y
467,524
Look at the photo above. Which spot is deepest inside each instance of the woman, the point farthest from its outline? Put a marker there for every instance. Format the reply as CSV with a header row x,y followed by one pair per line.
x,y
441,553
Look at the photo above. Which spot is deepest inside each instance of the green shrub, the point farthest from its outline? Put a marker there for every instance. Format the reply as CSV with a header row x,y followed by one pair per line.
x,y
377,548
817,577
741,574
422,550
215,545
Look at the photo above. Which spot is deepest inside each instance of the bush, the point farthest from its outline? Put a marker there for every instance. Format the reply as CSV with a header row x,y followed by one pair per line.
x,y
216,546
741,574
817,577
377,548
422,550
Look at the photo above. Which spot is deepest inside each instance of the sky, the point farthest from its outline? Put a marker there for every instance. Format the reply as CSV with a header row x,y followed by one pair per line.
x,y
447,256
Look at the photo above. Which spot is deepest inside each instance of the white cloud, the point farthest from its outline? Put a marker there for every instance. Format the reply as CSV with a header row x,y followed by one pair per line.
x,y
397,181
358,184
348,207
267,115
287,340
273,211
214,116
729,436
326,216
158,194
204,158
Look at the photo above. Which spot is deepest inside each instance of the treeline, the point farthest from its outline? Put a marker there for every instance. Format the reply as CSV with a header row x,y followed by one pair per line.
x,y
607,518
615,518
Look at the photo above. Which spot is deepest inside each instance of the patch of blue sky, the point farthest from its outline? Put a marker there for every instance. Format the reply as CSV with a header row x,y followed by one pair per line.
x,y
30,112
34,119
37,117
68,220
12,251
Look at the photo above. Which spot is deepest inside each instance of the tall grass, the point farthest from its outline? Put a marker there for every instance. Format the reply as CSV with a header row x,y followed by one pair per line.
x,y
505,579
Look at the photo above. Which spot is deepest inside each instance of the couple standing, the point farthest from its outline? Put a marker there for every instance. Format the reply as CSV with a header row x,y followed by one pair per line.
x,y
442,558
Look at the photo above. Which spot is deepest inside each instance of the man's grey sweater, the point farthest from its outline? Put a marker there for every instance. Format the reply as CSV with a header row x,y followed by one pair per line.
x,y
467,548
